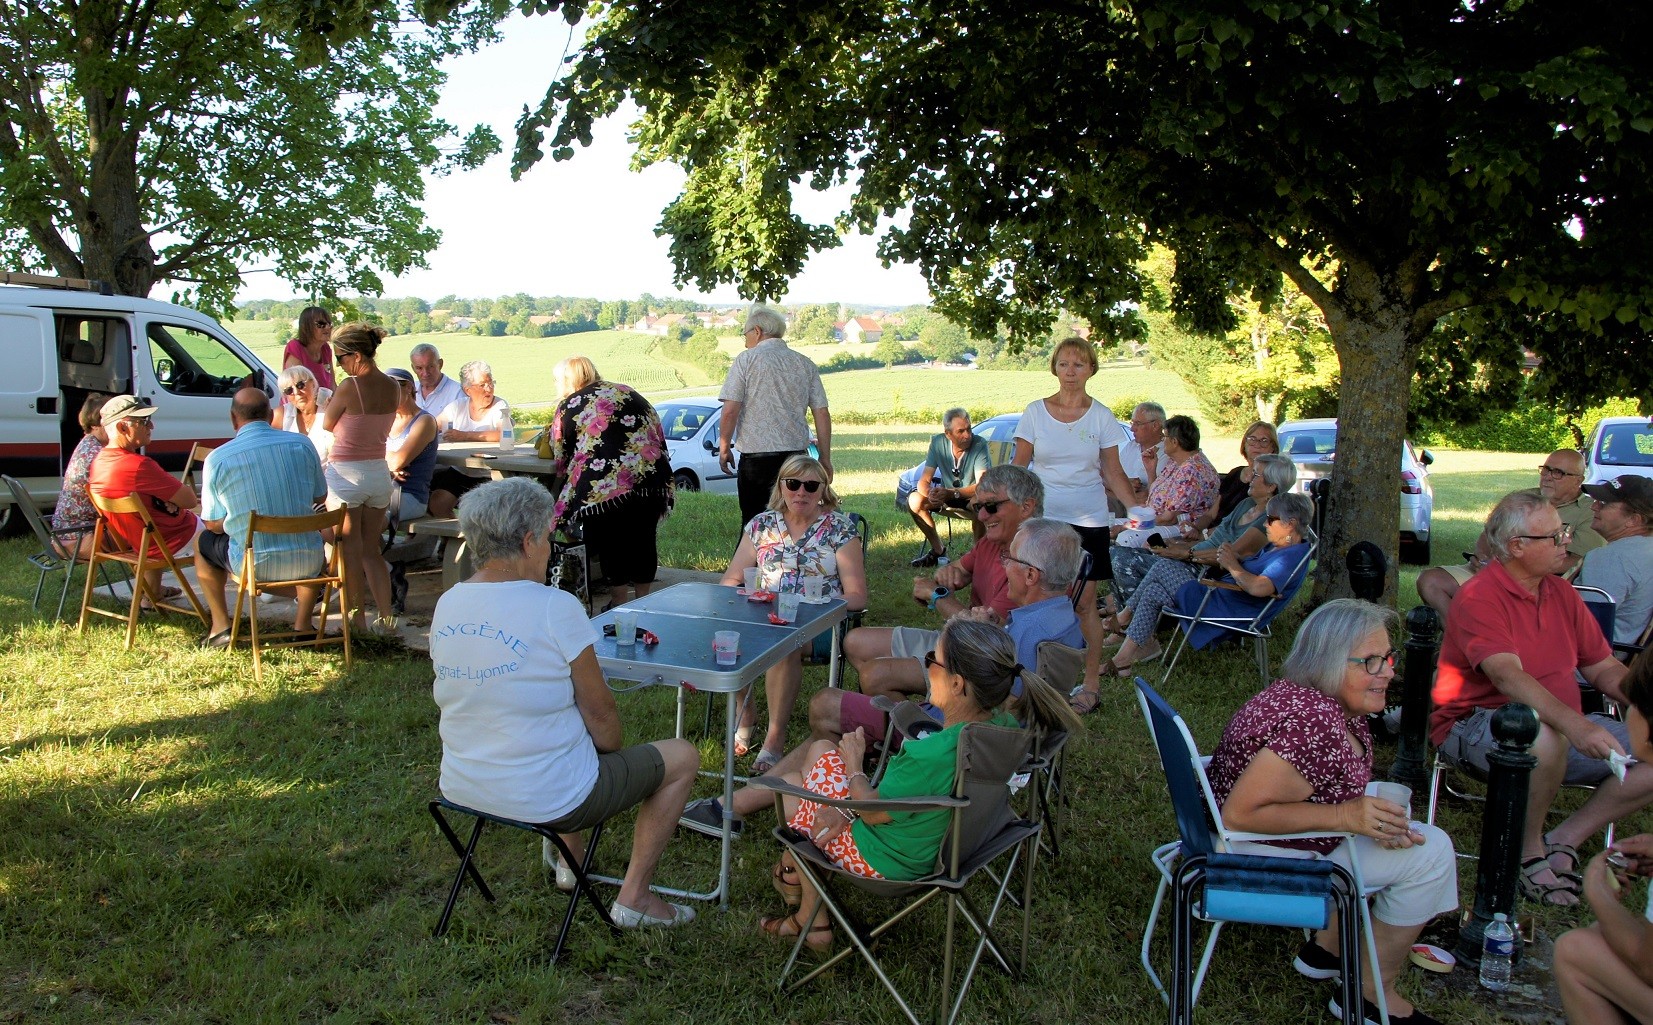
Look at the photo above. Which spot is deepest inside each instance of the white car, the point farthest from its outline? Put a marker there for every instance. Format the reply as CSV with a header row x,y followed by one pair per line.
x,y
691,440
1619,446
1312,445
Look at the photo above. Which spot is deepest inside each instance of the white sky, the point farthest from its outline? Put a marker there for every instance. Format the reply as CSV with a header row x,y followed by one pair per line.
x,y
583,227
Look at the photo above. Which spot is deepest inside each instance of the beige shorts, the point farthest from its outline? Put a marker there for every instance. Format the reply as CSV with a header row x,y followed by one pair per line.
x,y
1460,573
366,482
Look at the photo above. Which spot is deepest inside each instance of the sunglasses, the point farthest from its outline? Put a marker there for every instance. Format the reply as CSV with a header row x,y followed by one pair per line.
x,y
324,323
1280,519
990,508
296,387
931,660
793,484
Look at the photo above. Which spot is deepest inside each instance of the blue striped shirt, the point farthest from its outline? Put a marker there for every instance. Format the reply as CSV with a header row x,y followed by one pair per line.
x,y
272,472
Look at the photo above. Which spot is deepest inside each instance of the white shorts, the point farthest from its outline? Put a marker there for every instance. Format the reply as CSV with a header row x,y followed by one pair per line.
x,y
366,482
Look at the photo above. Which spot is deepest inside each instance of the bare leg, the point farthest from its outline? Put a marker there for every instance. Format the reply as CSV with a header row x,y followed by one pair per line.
x,y
212,581
307,596
656,821
893,677
1596,987
865,643
1542,788
925,520
441,504
1394,945
372,524
1436,587
780,685
1611,802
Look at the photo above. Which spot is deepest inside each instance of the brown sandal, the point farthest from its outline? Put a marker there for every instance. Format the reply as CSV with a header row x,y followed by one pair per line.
x,y
787,927
785,879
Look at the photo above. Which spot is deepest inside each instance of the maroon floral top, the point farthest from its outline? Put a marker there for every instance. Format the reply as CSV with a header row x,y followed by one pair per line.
x,y
1311,732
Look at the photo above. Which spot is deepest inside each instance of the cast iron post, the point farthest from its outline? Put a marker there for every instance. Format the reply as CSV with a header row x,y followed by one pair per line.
x,y
1510,765
1368,570
1417,677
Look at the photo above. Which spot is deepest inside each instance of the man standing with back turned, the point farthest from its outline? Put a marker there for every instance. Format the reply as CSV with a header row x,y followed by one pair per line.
x,y
764,397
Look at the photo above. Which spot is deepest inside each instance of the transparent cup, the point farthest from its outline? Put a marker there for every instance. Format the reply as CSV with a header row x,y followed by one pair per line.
x,y
786,605
813,587
625,627
751,573
1396,792
726,646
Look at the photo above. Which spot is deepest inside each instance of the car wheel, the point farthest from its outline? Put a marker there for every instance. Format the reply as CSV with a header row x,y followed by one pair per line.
x,y
685,480
1415,552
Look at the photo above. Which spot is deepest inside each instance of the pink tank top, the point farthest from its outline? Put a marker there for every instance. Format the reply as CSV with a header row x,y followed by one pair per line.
x,y
322,370
361,436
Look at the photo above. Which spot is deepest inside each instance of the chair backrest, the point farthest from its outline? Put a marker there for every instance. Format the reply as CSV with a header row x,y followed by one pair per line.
x,y
988,756
25,504
863,528
1191,797
197,457
1076,590
1601,606
310,523
1060,664
1294,583
129,505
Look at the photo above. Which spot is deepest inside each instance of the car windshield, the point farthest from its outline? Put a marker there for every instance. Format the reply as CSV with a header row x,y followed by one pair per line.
x,y
1626,445
1319,442
681,422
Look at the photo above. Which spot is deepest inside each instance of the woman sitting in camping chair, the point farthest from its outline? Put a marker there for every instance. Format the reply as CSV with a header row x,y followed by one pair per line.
x,y
970,677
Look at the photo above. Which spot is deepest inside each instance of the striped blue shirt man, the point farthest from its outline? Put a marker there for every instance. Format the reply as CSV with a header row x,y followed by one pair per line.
x,y
274,473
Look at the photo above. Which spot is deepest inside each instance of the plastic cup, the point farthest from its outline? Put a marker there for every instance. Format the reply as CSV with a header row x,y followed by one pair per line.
x,y
1396,792
812,588
786,605
751,579
726,645
625,627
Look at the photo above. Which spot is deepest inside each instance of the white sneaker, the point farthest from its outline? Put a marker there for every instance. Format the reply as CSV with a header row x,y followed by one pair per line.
x,y
553,861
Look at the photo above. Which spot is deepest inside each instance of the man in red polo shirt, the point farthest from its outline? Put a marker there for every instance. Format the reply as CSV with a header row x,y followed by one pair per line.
x,y
121,470
1518,632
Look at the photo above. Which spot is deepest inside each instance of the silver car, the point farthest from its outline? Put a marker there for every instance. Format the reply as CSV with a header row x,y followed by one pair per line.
x,y
1312,445
1619,445
691,441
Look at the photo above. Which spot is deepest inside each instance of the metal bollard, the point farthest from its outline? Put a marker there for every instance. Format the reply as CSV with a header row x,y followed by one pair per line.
x,y
1423,646
1514,727
1320,489
1368,570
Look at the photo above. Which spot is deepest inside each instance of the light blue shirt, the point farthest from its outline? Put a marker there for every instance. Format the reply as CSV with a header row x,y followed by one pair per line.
x,y
275,473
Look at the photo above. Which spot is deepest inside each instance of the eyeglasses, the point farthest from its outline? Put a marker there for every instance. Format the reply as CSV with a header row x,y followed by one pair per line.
x,y
1553,471
1374,663
931,660
1007,557
989,507
1258,439
1558,538
1144,423
324,323
296,386
809,486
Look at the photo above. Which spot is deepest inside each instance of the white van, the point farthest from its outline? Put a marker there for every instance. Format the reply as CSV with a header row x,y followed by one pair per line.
x,y
1619,445
65,338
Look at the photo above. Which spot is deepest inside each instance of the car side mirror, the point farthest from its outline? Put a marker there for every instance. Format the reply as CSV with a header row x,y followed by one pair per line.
x,y
709,445
1426,457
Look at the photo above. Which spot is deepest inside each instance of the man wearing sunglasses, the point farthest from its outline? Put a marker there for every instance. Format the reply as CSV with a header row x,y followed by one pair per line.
x,y
888,659
1561,479
765,398
1519,632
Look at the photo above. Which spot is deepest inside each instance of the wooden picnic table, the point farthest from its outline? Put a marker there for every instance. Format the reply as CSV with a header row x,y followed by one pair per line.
x,y
485,455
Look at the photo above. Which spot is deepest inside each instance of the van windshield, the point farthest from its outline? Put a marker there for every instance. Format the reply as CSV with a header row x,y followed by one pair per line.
x,y
1626,445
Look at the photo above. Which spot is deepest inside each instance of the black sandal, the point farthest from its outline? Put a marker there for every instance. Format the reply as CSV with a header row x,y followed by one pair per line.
x,y
1541,893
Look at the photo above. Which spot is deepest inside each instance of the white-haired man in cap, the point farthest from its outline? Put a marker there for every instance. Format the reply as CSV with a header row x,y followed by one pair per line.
x,y
122,469
764,398
1623,567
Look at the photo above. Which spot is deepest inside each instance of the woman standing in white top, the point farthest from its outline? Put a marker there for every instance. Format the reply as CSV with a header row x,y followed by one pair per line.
x,y
1072,442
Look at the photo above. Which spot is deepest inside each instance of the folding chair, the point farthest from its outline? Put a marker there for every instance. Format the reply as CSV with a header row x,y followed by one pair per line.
x,y
467,866
109,546
828,649
248,587
197,457
982,829
1062,667
53,543
1076,590
1604,608
1255,624
1257,889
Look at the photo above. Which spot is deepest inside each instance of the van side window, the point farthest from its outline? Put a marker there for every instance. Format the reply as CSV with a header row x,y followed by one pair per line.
x,y
192,362
91,352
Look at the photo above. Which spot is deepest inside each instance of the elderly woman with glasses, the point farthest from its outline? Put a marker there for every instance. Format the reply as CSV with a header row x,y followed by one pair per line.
x,y
802,535
1297,758
530,730
476,415
303,406
1259,439
309,348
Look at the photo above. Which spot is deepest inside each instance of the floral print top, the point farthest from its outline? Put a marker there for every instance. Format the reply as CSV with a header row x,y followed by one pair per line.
x,y
606,440
74,505
1190,487
783,563
1311,732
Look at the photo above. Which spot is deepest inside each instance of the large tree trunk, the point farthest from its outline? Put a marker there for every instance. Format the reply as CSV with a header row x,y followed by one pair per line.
x,y
1373,329
114,244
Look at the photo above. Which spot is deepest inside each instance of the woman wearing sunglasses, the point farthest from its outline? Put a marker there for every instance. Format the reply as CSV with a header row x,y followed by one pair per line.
x,y
1296,759
310,349
970,677
303,405
801,535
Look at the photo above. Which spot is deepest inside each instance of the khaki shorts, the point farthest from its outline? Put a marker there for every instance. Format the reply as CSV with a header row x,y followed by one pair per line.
x,y
1460,573
1471,742
624,779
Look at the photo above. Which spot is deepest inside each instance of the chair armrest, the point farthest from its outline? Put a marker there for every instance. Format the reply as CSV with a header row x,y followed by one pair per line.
x,y
1232,837
782,787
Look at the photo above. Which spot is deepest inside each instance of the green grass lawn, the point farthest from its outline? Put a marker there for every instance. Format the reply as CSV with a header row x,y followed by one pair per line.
x,y
186,845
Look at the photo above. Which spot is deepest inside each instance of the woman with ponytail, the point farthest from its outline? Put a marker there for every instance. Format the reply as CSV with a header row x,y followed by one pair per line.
x,y
970,677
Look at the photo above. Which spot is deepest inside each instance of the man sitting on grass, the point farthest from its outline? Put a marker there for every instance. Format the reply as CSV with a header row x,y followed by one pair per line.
x,y
1041,563
888,660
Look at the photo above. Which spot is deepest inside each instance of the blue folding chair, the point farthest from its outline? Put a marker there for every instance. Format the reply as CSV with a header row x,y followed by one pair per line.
x,y
1259,889
1254,623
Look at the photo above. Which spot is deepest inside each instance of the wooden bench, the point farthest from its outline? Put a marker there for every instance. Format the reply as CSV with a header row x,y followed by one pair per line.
x,y
456,556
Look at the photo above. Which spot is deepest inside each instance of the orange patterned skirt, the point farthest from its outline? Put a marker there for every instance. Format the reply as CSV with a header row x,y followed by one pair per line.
x,y
829,777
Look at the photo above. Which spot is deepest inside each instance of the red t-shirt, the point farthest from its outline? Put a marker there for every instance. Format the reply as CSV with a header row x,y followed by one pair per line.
x,y
988,584
117,473
1551,632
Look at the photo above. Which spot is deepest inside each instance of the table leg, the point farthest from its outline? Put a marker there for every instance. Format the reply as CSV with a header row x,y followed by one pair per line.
x,y
833,669
731,718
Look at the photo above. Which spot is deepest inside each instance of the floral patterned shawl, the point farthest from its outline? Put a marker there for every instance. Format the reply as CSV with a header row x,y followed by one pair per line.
x,y
608,442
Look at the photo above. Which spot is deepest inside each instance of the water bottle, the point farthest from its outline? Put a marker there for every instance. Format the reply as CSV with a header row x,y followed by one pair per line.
x,y
507,432
1498,955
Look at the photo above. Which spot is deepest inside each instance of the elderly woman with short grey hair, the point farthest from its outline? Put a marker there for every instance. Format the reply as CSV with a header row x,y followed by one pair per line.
x,y
476,415
1297,758
530,730
303,405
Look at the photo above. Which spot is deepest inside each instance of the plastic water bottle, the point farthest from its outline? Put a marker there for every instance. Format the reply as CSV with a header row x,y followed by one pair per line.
x,y
1498,955
507,432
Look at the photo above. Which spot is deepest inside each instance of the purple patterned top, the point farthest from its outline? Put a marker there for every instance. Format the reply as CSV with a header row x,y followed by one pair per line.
x,y
1190,486
74,505
1311,732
